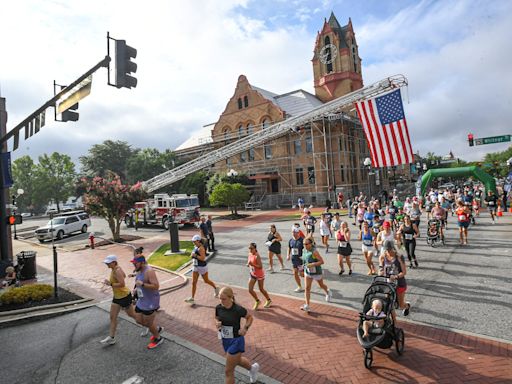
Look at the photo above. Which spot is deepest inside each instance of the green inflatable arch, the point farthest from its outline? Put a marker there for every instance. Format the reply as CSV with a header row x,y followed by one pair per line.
x,y
490,184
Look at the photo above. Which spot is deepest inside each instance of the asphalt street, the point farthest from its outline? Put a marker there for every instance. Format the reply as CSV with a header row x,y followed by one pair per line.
x,y
66,349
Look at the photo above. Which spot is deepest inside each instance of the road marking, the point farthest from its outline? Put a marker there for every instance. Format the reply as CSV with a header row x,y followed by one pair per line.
x,y
134,380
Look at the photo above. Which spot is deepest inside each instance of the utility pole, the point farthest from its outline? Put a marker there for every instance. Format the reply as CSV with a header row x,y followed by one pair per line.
x,y
5,236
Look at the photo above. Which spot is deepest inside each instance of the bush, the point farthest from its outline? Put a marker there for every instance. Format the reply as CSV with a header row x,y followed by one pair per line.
x,y
22,295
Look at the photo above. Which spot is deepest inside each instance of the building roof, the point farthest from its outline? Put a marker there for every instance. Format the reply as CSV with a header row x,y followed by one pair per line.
x,y
200,137
292,103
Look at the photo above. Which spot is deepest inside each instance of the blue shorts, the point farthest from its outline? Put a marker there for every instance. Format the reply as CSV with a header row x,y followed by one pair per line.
x,y
234,345
463,224
296,262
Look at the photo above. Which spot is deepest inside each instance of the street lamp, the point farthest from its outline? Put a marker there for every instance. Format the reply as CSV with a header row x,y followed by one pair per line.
x,y
14,197
368,164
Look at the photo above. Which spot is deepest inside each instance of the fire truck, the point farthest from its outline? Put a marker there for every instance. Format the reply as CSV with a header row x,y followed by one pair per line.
x,y
179,208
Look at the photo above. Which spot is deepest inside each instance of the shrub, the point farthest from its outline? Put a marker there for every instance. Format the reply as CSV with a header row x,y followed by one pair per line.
x,y
22,295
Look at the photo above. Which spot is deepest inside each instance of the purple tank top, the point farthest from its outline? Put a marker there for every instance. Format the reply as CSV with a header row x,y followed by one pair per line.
x,y
150,299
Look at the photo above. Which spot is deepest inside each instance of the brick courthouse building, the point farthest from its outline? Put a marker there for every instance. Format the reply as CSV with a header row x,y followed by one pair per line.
x,y
325,157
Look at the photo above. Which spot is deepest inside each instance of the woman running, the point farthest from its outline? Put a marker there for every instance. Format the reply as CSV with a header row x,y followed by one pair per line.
x,y
361,209
367,237
386,234
325,232
274,248
415,214
393,266
200,267
463,217
344,248
122,297
312,262
409,233
227,321
257,274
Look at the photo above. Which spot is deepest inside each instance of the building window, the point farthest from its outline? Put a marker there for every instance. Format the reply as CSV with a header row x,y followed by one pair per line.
x,y
342,173
243,157
240,103
309,144
240,131
311,175
298,147
246,101
268,151
226,137
299,176
251,154
265,123
249,129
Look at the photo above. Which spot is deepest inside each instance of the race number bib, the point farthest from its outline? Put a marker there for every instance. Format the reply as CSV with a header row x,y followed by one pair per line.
x,y
367,242
295,251
311,270
408,236
195,262
491,202
310,226
342,244
462,217
227,332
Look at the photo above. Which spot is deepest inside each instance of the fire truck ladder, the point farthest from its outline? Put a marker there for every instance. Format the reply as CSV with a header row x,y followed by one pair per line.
x,y
272,132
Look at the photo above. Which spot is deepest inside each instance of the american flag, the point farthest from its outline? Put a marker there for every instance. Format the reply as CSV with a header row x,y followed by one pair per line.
x,y
386,130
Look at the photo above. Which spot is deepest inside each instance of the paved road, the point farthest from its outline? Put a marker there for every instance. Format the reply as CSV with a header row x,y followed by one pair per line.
x,y
65,349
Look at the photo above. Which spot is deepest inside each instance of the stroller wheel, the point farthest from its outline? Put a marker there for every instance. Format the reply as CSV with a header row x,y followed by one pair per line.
x,y
368,358
400,340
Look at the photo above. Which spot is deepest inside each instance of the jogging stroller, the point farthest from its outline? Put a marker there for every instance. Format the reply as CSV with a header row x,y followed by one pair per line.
x,y
434,232
382,336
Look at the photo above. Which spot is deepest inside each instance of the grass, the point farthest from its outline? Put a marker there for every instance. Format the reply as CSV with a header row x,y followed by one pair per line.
x,y
172,262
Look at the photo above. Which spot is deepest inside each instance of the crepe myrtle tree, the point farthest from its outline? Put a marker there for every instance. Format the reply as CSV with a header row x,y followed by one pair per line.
x,y
109,198
230,195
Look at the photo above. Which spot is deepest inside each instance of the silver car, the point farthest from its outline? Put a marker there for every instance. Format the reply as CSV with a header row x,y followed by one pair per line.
x,y
63,225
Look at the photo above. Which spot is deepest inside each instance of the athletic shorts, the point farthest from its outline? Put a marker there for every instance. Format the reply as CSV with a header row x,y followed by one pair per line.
x,y
257,277
367,248
146,313
344,251
401,289
234,345
492,210
297,262
200,270
314,277
463,224
124,302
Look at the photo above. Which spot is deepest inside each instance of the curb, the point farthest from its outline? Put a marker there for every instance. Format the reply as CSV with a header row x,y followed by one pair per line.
x,y
43,307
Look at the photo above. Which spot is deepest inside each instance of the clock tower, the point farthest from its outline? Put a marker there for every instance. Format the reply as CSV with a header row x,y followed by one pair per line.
x,y
336,61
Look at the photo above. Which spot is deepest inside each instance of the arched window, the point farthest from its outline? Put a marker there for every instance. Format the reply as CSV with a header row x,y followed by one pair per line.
x,y
328,66
226,136
240,103
265,123
246,101
249,129
240,131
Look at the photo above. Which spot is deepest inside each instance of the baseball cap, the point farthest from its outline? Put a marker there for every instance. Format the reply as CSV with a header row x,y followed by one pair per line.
x,y
109,259
295,230
139,259
388,245
386,224
196,238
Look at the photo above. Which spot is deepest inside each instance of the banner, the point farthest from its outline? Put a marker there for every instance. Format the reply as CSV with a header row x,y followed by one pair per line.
x,y
5,160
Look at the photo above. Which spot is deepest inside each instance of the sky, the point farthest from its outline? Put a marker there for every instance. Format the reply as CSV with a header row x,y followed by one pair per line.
x,y
455,54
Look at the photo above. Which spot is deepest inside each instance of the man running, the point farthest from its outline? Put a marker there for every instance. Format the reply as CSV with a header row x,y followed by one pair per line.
x,y
295,248
491,200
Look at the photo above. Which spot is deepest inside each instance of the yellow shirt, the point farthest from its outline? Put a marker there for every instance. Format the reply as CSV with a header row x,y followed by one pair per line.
x,y
119,292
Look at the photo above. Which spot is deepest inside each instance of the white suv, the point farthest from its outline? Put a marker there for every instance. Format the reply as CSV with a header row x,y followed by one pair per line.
x,y
64,224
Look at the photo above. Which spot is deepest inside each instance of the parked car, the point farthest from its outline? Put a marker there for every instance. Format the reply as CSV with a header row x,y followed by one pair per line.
x,y
26,214
64,224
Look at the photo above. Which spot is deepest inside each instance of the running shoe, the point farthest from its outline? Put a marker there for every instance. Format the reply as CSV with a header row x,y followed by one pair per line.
x,y
253,372
256,305
349,272
190,300
145,332
108,340
328,296
416,263
270,270
298,289
341,272
216,292
155,343
305,308
160,330
267,304
405,312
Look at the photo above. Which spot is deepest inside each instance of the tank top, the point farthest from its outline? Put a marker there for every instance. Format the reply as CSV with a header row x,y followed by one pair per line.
x,y
462,216
308,257
342,241
119,292
256,272
150,299
394,268
367,238
408,233
197,262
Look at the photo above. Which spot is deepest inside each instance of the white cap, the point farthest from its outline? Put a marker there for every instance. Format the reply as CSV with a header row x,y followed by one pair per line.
x,y
295,230
196,238
109,259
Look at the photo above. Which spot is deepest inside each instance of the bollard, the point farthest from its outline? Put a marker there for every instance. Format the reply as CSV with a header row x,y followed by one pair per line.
x,y
91,240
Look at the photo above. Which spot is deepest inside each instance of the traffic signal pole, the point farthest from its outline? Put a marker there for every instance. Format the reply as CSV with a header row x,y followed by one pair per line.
x,y
5,238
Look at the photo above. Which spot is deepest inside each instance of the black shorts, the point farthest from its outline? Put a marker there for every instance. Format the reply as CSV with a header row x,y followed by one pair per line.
x,y
345,251
124,302
296,262
147,313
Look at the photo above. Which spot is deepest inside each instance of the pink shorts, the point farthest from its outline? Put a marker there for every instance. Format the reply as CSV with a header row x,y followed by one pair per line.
x,y
401,289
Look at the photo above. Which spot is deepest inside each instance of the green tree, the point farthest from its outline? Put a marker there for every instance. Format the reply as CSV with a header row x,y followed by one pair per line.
x,y
109,198
56,177
498,162
24,173
109,156
147,163
230,195
195,184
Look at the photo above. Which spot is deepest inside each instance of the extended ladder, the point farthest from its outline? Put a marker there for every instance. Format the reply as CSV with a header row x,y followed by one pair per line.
x,y
272,132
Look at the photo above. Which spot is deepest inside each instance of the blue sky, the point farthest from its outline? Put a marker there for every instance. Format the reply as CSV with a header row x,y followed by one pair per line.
x,y
456,55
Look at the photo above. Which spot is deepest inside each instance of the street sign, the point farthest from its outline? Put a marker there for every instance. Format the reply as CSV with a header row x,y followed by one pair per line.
x,y
493,139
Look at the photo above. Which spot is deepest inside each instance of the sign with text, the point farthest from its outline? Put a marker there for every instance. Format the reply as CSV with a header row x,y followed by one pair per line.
x,y
493,140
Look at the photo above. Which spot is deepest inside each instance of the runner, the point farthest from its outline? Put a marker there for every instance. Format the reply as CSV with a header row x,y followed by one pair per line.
x,y
385,234
274,247
122,297
312,264
200,267
300,203
227,322
393,266
446,205
325,232
257,274
309,222
335,223
297,226
492,203
462,213
344,248
295,248
439,213
409,233
361,209
416,214
148,299
366,235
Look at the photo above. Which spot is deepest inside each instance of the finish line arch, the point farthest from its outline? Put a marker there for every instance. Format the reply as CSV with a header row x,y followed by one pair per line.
x,y
484,177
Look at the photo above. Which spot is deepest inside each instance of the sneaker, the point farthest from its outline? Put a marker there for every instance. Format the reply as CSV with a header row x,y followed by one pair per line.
x,y
416,263
160,329
349,272
341,272
216,292
108,340
267,304
298,289
253,372
305,307
328,296
270,270
190,300
256,305
405,312
411,266
155,343
145,332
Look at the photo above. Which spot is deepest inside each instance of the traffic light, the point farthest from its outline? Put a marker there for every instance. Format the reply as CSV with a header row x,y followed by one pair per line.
x,y
14,219
124,65
471,139
70,114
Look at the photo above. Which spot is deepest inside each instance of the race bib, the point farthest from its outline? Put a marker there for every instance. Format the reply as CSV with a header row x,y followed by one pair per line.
x,y
367,242
252,269
491,202
195,262
227,332
408,236
311,270
295,251
310,226
462,217
342,244
268,243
